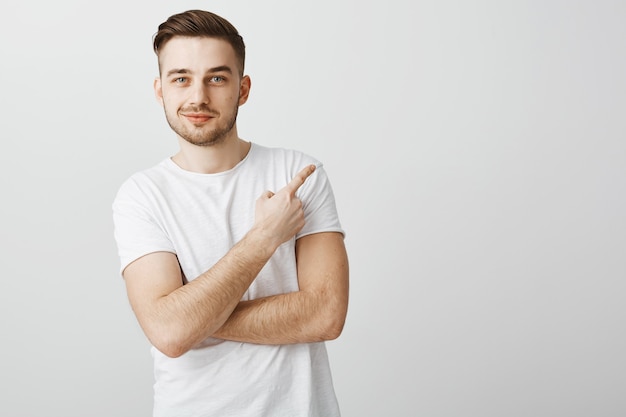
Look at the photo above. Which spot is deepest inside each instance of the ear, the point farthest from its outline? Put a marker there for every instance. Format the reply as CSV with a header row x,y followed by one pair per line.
x,y
158,90
244,89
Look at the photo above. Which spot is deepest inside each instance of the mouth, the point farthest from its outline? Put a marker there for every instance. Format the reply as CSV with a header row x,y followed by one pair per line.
x,y
198,118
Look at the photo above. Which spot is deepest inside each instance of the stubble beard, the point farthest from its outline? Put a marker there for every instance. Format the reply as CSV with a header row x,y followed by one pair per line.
x,y
198,136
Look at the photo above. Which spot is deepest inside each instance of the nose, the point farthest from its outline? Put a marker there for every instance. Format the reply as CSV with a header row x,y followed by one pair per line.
x,y
198,94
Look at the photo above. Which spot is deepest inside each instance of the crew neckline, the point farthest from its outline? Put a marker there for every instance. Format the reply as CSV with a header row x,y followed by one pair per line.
x,y
174,166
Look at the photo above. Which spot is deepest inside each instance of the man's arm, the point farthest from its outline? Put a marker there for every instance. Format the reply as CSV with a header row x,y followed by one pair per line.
x,y
315,313
175,317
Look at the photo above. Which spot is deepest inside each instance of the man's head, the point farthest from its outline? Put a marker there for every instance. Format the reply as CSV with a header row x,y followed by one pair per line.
x,y
201,83
200,23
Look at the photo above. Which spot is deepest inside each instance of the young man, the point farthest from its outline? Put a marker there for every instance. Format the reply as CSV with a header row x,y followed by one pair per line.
x,y
232,253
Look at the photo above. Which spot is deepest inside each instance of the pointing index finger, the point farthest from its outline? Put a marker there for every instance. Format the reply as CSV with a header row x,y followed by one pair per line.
x,y
299,179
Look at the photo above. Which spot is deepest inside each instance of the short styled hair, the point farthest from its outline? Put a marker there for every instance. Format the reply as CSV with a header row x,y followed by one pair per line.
x,y
200,23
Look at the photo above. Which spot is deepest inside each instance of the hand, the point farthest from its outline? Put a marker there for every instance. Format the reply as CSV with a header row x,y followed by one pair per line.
x,y
280,216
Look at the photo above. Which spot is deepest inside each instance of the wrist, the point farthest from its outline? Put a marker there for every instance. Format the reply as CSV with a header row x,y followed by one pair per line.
x,y
262,241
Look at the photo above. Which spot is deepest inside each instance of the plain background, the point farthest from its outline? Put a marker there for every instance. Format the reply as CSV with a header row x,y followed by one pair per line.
x,y
478,154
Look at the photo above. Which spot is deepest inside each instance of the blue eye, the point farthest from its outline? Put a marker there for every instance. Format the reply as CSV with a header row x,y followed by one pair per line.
x,y
217,79
180,80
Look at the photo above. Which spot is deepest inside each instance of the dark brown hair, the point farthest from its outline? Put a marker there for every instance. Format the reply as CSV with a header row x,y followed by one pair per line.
x,y
200,23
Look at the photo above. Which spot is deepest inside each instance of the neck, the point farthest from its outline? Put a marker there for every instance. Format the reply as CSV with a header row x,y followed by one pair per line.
x,y
211,159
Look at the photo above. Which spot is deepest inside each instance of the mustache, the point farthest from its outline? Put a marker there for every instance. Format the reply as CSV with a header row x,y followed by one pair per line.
x,y
203,108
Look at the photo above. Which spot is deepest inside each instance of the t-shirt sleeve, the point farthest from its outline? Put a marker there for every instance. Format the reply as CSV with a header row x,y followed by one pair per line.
x,y
137,231
318,200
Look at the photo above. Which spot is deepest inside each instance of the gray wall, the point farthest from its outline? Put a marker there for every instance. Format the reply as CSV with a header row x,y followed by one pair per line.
x,y
478,155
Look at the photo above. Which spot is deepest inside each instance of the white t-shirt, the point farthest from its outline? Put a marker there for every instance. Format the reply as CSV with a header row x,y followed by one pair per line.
x,y
199,217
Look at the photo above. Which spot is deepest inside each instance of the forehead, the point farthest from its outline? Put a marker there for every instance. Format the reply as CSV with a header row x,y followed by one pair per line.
x,y
196,54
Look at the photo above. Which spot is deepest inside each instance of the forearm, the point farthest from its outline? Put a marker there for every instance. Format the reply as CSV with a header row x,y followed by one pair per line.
x,y
297,317
316,312
193,312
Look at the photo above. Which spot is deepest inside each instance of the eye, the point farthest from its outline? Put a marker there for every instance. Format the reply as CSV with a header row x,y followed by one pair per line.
x,y
180,80
216,79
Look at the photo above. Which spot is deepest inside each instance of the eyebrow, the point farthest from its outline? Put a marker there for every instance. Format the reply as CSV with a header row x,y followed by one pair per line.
x,y
221,68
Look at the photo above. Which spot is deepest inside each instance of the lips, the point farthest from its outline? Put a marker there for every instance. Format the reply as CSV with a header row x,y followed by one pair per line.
x,y
198,117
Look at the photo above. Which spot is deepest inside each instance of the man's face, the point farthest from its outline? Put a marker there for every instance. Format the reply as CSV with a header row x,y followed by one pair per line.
x,y
200,88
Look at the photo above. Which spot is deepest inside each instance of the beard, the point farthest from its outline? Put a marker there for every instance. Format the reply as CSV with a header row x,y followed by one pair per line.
x,y
201,136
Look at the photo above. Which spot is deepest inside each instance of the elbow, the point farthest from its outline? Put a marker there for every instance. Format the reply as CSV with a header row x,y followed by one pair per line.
x,y
333,325
171,350
170,346
333,332
174,340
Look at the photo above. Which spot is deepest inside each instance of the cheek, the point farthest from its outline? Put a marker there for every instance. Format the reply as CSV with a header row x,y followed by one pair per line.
x,y
172,99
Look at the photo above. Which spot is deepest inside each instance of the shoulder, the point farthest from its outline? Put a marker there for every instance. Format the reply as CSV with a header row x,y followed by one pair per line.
x,y
142,181
292,159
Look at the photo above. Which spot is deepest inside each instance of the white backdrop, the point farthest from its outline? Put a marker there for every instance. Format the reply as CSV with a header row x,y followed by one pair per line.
x,y
478,156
